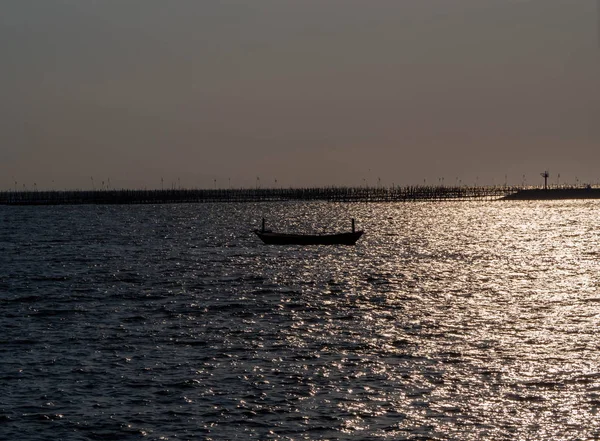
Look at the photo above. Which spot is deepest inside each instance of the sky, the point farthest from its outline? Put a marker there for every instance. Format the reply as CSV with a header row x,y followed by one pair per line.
x,y
290,93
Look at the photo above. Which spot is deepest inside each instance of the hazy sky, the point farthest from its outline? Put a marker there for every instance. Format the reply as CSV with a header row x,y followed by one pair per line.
x,y
308,92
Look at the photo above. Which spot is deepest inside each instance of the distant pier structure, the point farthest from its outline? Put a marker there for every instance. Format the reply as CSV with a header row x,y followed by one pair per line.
x,y
545,175
331,194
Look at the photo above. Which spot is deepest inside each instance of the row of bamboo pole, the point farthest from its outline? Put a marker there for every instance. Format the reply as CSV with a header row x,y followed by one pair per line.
x,y
332,194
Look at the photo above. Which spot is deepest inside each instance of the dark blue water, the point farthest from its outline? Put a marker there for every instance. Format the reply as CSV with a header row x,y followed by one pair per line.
x,y
445,321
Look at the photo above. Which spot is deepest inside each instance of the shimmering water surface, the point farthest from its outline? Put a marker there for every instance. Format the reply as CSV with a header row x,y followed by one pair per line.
x,y
446,321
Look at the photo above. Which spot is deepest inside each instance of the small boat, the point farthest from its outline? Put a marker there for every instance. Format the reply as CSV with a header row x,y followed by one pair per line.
x,y
271,238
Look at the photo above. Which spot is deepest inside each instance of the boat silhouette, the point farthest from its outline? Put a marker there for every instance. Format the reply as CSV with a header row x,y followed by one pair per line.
x,y
271,238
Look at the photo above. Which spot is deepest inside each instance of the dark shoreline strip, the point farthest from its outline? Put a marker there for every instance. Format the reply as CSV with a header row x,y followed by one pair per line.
x,y
539,194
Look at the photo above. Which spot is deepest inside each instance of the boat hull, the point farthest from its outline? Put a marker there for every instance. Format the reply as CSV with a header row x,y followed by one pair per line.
x,y
308,239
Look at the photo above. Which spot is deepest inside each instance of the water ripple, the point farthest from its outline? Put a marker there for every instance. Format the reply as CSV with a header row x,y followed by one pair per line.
x,y
446,321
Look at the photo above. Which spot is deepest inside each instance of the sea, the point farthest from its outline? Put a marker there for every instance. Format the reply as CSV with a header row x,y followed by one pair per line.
x,y
446,321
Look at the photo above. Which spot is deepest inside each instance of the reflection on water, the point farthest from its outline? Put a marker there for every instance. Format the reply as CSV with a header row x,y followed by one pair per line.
x,y
446,321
